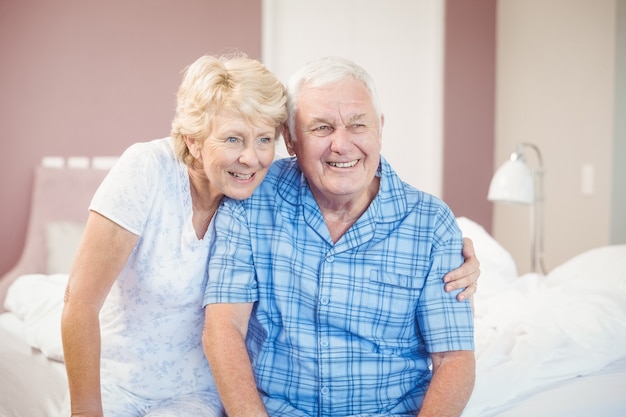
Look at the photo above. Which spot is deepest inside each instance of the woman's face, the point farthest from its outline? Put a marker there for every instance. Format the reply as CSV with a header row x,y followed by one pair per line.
x,y
237,154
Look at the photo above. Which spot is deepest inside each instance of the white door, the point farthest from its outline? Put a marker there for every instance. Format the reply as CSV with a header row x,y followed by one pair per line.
x,y
399,42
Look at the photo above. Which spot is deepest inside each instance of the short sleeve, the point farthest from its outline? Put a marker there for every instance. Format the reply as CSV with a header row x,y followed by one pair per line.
x,y
231,271
446,323
127,192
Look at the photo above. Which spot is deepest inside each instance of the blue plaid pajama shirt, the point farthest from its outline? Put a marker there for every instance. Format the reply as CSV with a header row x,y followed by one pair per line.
x,y
345,328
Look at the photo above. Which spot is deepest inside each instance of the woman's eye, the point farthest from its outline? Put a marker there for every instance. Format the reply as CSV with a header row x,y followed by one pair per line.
x,y
232,139
266,140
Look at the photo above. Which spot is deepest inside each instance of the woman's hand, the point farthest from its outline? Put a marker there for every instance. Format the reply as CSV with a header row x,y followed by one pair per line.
x,y
465,276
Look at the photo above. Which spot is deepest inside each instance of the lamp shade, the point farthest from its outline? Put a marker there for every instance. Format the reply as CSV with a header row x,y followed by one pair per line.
x,y
513,182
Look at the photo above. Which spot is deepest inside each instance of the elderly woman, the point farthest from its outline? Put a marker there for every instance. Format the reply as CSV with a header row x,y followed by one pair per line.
x,y
132,321
133,317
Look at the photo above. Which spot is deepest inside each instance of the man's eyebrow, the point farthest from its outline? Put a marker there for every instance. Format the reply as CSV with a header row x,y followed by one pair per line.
x,y
356,117
319,119
326,120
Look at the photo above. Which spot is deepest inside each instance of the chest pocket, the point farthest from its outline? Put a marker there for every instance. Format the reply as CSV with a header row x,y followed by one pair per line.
x,y
410,283
392,302
397,295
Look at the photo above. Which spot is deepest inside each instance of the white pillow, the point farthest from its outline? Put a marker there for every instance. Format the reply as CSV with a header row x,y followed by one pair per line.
x,y
62,240
37,300
604,265
497,267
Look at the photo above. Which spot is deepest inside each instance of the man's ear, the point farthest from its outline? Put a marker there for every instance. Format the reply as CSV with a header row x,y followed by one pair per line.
x,y
288,139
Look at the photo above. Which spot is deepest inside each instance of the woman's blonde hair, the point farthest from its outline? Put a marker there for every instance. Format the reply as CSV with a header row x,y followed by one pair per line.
x,y
233,83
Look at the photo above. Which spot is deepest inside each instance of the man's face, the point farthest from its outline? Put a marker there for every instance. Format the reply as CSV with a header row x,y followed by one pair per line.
x,y
338,140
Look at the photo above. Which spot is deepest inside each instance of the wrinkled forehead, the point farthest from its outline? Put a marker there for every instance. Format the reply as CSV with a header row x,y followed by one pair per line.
x,y
248,114
227,119
349,97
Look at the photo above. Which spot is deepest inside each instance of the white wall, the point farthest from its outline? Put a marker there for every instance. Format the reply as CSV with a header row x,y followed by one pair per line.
x,y
555,88
399,42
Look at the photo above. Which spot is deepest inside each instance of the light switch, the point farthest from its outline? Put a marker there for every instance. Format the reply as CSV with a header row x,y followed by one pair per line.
x,y
587,180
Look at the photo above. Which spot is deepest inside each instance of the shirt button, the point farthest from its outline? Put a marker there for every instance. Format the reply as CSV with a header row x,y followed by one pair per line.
x,y
324,343
324,301
330,258
324,390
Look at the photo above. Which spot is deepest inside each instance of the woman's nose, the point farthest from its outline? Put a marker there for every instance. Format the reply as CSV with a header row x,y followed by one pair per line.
x,y
249,156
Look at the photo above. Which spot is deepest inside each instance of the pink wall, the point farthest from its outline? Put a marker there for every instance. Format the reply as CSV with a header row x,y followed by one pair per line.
x,y
469,107
84,77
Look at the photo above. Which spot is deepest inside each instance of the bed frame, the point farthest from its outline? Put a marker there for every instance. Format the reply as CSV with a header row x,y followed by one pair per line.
x,y
31,382
52,201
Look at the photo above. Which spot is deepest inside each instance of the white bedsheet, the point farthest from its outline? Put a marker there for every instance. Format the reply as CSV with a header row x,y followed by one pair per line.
x,y
599,394
31,385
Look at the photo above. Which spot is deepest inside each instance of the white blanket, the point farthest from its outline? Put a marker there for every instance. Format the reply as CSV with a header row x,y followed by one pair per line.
x,y
537,331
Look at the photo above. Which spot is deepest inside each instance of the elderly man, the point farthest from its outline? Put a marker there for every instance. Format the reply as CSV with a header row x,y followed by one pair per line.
x,y
324,295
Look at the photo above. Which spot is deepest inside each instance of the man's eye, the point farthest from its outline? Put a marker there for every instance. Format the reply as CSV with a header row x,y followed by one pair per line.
x,y
322,130
357,127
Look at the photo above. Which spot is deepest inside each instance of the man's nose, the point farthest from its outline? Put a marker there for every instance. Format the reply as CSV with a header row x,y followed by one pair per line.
x,y
341,139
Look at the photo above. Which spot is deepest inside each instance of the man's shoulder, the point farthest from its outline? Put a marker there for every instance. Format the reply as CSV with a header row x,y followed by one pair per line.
x,y
283,166
395,188
397,194
284,174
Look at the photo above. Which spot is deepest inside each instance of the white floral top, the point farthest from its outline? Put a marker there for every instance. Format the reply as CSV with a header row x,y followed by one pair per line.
x,y
152,320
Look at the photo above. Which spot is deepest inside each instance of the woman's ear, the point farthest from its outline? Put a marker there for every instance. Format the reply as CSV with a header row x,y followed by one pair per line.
x,y
193,147
288,139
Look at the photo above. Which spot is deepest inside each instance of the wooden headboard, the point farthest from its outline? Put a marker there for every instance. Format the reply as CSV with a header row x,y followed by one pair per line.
x,y
58,195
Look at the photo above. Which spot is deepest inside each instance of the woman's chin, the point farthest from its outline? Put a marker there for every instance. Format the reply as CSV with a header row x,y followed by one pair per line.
x,y
240,193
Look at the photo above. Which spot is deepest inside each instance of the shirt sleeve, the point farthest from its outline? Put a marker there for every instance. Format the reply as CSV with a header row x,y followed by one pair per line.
x,y
231,272
446,323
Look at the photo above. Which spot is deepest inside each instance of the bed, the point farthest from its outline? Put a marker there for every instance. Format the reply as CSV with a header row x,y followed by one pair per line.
x,y
32,374
548,346
553,345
